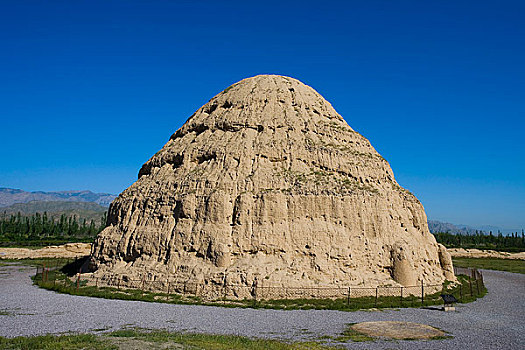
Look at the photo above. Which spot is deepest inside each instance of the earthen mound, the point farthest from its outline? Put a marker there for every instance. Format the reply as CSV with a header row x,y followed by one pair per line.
x,y
266,184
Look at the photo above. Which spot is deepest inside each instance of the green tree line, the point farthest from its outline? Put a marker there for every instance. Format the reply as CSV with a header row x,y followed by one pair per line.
x,y
480,240
38,227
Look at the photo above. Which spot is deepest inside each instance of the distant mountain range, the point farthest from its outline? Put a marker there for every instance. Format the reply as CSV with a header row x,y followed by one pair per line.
x,y
437,226
10,196
82,210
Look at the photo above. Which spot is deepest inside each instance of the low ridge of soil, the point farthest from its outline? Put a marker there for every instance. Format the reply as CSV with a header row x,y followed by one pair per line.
x,y
477,253
398,330
69,250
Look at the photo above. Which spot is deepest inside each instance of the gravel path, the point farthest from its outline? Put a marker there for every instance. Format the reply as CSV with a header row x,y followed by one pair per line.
x,y
496,321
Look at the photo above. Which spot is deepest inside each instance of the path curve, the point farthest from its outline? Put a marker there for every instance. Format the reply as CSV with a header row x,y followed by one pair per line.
x,y
493,322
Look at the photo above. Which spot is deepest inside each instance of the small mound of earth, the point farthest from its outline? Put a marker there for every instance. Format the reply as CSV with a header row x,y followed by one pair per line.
x,y
397,330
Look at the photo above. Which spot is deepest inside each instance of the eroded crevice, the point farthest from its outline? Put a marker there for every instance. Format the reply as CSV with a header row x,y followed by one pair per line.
x,y
196,128
201,158
145,169
236,214
175,160
211,108
222,125
233,127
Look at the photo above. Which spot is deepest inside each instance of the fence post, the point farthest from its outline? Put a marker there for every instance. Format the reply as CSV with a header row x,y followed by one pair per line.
x,y
168,287
55,274
348,298
422,293
376,296
44,272
401,299
202,288
461,291
470,283
78,279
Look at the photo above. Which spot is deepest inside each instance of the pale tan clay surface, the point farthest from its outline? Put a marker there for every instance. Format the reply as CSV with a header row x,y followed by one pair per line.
x,y
476,253
397,330
69,250
267,184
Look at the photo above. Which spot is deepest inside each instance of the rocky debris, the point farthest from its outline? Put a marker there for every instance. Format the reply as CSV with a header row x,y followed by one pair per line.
x,y
266,184
477,253
69,250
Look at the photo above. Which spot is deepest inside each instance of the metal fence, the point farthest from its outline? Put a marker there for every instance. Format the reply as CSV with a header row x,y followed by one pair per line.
x,y
359,296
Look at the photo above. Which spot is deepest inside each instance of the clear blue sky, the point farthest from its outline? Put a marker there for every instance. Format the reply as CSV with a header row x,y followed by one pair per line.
x,y
91,89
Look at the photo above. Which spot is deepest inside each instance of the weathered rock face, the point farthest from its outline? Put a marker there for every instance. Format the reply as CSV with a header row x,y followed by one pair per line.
x,y
267,184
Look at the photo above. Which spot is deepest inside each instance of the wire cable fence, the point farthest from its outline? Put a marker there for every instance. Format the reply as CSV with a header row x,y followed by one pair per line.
x,y
469,287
